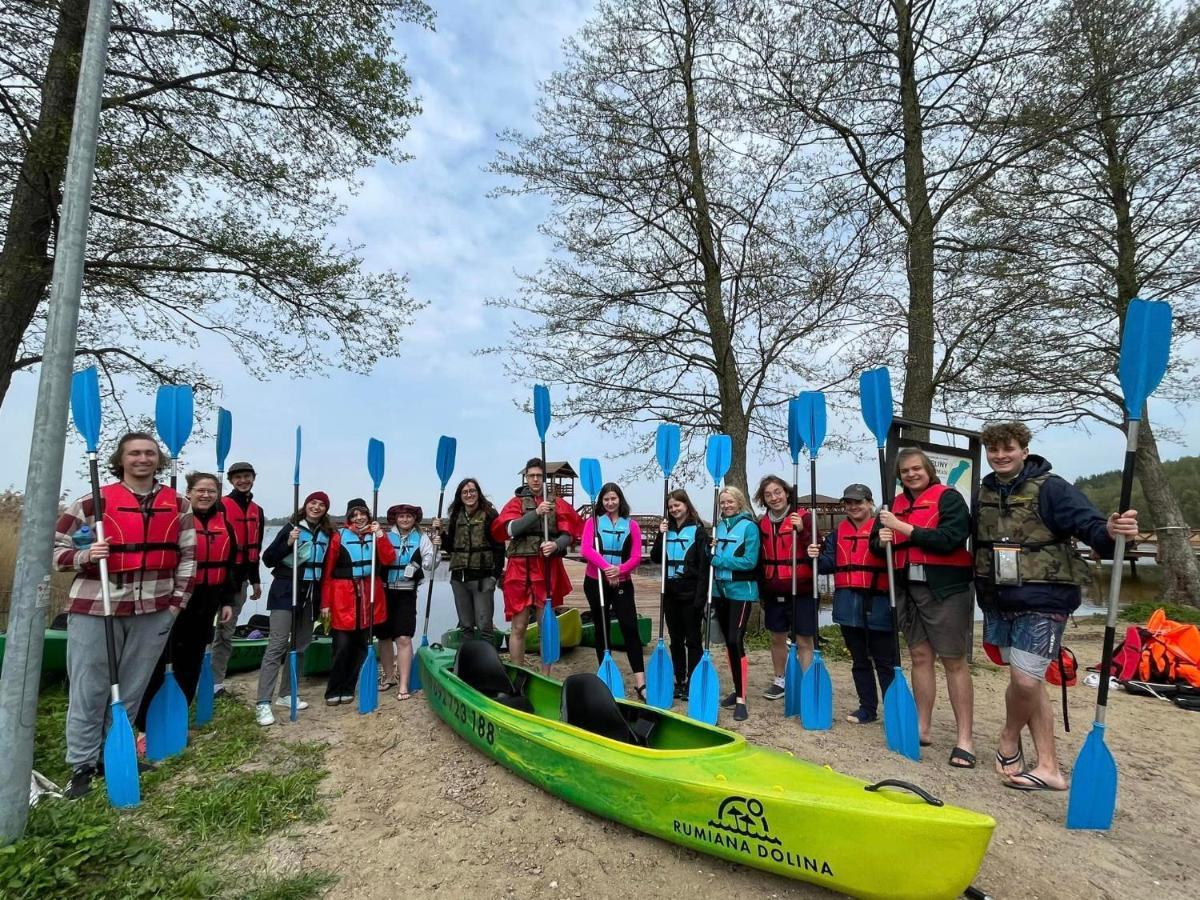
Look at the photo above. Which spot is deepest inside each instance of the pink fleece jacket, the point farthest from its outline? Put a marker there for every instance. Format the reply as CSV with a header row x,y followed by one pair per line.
x,y
596,562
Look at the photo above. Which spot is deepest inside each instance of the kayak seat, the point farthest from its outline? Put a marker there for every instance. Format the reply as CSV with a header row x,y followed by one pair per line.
x,y
588,704
478,663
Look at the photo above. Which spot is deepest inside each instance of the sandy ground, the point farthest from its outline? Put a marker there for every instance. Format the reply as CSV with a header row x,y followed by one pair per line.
x,y
412,808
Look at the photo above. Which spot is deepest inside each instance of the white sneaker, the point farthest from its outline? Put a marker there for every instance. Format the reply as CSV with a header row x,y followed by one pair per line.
x,y
286,703
347,698
263,714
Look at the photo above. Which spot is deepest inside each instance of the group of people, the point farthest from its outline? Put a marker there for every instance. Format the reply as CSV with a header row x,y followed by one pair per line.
x,y
178,563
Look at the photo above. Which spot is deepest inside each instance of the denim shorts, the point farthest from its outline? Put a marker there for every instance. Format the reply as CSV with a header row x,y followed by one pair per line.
x,y
1030,641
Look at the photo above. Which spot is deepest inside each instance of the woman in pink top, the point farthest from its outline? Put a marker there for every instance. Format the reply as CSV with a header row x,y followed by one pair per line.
x,y
612,549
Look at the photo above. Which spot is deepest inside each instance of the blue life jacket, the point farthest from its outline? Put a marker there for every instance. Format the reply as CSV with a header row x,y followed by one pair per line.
x,y
611,538
406,547
354,559
735,542
677,544
312,568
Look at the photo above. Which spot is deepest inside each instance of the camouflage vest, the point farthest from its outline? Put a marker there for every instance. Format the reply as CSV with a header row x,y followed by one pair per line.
x,y
1045,556
531,544
471,548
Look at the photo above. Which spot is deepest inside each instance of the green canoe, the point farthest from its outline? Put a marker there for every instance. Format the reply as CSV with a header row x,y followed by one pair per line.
x,y
615,638
454,638
54,650
705,788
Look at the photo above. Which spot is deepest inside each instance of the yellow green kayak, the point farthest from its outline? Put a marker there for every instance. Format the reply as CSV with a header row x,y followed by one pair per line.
x,y
703,787
570,631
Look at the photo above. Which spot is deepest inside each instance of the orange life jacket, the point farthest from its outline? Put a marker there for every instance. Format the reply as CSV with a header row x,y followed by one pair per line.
x,y
775,557
1170,652
140,538
247,528
212,548
924,513
857,566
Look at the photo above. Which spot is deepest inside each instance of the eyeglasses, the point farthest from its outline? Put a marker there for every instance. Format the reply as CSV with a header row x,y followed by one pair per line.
x,y
208,492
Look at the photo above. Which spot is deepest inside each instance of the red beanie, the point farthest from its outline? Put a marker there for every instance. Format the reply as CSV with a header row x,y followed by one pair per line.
x,y
317,495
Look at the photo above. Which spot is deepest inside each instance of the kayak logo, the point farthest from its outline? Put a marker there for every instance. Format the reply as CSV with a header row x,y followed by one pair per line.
x,y
744,816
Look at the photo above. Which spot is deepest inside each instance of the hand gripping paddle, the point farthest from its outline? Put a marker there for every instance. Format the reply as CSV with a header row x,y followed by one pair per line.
x,y
589,476
447,449
704,687
660,674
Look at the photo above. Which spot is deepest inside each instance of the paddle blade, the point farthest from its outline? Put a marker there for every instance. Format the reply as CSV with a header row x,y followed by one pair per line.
x,y
812,420
666,448
120,760
368,683
294,685
718,455
900,718
793,676
590,477
296,474
446,451
167,720
204,691
85,406
549,640
173,413
375,461
541,409
1145,349
875,397
1093,798
224,436
816,696
660,678
795,438
611,676
414,671
703,690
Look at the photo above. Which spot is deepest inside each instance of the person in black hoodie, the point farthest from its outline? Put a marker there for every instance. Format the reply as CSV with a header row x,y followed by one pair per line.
x,y
686,541
1028,578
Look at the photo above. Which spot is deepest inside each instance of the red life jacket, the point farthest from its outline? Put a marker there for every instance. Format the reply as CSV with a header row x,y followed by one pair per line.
x,y
924,513
775,557
247,528
141,538
212,548
857,566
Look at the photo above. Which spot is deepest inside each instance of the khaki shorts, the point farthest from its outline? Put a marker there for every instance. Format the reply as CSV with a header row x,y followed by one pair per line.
x,y
945,622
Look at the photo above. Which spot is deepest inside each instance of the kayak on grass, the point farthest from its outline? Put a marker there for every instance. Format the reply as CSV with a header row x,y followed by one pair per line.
x,y
702,787
616,640
54,650
570,631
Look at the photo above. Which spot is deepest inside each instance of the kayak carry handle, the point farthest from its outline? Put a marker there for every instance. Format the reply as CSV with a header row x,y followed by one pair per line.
x,y
908,786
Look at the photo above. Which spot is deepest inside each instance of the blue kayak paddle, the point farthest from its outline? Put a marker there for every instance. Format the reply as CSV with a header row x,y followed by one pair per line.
x,y
704,687
120,751
293,668
368,675
1145,350
899,706
660,673
792,674
447,449
167,715
816,687
590,478
550,643
205,684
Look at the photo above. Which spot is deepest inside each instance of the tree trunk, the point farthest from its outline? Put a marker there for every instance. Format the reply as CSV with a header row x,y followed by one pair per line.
x,y
1176,558
25,263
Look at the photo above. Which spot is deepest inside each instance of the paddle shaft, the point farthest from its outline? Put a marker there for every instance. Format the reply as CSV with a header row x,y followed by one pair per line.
x,y
371,614
712,568
795,540
812,478
437,558
891,573
662,589
598,544
296,563
110,637
546,530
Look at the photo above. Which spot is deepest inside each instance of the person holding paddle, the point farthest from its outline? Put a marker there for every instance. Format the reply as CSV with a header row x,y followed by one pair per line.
x,y
249,525
149,546
736,546
415,558
1028,578
346,593
929,526
612,548
476,557
684,539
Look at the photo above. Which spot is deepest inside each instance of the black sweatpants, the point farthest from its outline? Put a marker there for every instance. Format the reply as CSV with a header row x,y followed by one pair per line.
x,y
684,619
870,650
733,616
618,602
191,632
349,651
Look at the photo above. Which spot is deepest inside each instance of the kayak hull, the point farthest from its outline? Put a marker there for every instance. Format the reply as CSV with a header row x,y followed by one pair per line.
x,y
570,631
454,637
709,790
54,651
616,640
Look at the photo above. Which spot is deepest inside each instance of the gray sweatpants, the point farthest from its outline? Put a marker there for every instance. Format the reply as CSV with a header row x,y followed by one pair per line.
x,y
475,603
278,645
140,641
223,637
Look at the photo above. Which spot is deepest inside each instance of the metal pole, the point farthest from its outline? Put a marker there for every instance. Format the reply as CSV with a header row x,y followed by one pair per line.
x,y
31,583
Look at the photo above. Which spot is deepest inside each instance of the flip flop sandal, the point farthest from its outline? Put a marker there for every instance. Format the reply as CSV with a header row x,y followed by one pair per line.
x,y
403,695
925,743
1029,782
1017,759
961,759
387,684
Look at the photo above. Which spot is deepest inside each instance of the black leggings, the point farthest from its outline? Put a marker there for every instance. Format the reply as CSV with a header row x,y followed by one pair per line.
x,y
733,616
191,632
619,602
683,623
349,651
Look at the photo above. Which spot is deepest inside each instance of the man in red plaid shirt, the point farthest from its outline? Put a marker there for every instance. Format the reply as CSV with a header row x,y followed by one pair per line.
x,y
150,544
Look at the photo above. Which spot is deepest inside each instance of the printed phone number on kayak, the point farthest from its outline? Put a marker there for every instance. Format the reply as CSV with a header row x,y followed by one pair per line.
x,y
465,714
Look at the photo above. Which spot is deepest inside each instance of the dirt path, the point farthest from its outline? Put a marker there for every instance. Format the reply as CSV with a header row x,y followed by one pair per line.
x,y
413,808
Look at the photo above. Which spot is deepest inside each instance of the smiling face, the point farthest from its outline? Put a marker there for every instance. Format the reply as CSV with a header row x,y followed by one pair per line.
x,y
913,474
315,509
469,495
203,494
857,511
610,502
405,521
776,497
358,517
1007,458
242,481
676,509
728,504
139,458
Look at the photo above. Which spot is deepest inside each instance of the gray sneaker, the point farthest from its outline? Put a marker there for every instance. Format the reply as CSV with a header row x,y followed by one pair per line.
x,y
775,692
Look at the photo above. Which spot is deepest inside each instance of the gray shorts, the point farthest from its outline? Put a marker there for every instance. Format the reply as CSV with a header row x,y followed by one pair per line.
x,y
945,622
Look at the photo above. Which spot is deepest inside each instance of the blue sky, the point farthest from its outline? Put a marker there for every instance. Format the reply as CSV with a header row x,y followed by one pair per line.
x,y
430,217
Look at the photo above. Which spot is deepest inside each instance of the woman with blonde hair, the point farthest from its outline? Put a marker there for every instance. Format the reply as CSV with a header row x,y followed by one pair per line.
x,y
736,546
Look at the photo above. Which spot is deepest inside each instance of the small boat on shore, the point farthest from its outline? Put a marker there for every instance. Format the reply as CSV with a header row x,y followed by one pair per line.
x,y
616,640
570,631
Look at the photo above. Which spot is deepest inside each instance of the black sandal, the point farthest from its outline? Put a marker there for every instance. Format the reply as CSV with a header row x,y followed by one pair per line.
x,y
961,759
640,690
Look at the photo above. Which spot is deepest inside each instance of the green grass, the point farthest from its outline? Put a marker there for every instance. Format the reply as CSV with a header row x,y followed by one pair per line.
x,y
1140,612
294,887
249,805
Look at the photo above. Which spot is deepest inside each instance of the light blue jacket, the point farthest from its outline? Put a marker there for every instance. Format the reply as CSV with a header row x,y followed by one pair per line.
x,y
735,559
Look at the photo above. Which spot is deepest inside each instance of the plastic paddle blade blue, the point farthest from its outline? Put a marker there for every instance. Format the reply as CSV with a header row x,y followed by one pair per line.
x,y
294,686
703,690
718,455
541,409
167,720
590,477
875,397
549,642
795,437
224,436
204,691
1093,798
1145,350
793,677
85,406
368,683
296,474
812,420
446,451
173,412
611,676
120,761
666,448
900,718
375,461
660,678
414,671
816,696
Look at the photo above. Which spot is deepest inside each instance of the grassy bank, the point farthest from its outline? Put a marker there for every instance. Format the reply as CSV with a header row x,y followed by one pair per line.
x,y
60,582
199,831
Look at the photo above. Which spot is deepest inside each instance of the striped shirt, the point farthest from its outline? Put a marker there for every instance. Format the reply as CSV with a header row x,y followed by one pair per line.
x,y
131,593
